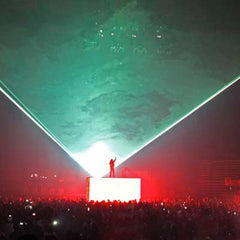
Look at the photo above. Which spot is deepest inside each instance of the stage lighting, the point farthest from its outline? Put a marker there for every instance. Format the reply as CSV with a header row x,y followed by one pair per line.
x,y
96,159
120,189
185,116
122,79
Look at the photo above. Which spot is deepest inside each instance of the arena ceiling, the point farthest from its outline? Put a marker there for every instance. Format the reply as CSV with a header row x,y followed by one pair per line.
x,y
105,78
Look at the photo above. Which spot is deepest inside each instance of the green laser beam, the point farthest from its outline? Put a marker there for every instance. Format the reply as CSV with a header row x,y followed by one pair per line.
x,y
10,95
185,116
17,102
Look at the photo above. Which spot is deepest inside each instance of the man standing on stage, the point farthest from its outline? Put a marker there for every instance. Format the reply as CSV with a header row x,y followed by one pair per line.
x,y
111,163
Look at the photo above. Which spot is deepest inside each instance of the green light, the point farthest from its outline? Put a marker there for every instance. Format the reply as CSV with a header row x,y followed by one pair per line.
x,y
99,151
182,118
114,75
7,92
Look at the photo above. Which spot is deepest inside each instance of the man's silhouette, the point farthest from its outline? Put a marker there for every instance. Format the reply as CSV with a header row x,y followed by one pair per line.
x,y
111,163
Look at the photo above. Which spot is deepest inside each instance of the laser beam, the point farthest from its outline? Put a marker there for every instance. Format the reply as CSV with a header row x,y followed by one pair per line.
x,y
7,92
182,118
17,102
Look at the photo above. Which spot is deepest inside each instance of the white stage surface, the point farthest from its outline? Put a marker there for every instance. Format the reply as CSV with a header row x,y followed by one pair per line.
x,y
120,189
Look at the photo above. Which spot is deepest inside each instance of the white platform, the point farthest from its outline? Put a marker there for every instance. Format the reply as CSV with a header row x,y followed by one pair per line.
x,y
120,189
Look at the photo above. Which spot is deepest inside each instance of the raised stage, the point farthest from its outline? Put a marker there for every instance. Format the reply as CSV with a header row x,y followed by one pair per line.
x,y
120,189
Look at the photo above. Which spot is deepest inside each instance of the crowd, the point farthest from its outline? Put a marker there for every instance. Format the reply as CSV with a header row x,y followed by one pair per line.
x,y
50,219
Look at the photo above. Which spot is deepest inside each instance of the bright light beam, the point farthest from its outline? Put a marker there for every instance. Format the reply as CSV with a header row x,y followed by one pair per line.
x,y
9,94
185,116
75,157
96,159
99,151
